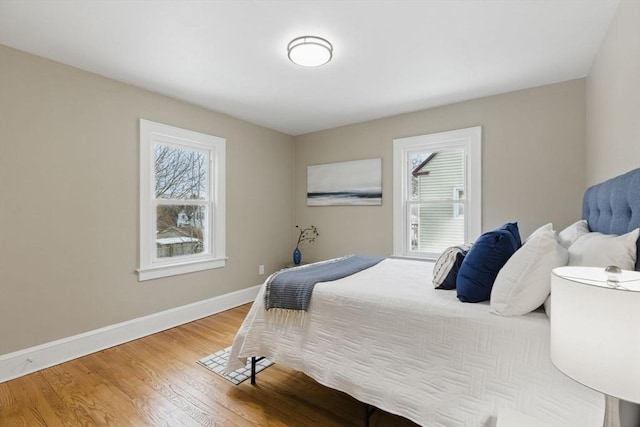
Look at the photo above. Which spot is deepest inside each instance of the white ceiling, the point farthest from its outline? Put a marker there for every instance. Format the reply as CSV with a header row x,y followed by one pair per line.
x,y
390,57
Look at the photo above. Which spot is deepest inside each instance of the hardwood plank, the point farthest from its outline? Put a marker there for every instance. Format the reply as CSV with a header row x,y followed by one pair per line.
x,y
115,388
153,408
36,403
210,389
7,399
154,374
155,381
26,405
78,397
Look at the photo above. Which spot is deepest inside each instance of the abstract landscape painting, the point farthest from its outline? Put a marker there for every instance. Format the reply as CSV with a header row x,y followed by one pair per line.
x,y
357,182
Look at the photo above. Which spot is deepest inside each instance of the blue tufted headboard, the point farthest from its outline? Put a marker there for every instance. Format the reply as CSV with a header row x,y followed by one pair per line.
x,y
613,206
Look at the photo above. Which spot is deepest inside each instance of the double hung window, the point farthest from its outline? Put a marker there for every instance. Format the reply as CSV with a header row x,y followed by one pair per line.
x,y
437,192
182,201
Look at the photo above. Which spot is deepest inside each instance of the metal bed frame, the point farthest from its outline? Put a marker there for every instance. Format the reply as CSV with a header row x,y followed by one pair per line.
x,y
368,409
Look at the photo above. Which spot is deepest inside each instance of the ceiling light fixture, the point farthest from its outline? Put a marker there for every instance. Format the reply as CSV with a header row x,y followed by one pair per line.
x,y
310,51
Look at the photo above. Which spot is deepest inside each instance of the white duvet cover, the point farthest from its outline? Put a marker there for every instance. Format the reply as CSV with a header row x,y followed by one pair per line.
x,y
388,338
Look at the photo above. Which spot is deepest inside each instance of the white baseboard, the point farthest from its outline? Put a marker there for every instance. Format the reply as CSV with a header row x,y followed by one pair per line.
x,y
23,362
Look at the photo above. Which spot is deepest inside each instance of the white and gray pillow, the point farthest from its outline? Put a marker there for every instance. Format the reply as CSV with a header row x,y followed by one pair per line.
x,y
446,267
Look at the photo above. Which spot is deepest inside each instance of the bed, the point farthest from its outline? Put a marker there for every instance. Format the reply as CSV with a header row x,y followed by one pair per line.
x,y
386,337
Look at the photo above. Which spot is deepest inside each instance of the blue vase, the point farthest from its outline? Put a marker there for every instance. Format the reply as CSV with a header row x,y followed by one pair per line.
x,y
297,256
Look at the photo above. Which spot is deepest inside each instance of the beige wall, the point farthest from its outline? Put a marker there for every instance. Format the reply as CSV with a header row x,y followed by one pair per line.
x,y
69,192
613,99
69,202
533,157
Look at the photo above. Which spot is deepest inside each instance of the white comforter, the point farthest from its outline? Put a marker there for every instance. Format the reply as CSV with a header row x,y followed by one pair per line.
x,y
387,338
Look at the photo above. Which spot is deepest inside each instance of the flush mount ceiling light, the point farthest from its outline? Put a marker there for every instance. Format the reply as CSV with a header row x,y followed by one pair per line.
x,y
310,51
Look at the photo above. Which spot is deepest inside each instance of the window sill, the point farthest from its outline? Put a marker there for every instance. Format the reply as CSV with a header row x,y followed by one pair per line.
x,y
156,272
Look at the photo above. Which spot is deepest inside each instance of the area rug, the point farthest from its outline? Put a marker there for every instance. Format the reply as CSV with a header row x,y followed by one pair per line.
x,y
216,362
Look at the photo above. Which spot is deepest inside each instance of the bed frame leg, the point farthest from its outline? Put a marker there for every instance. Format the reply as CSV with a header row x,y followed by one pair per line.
x,y
253,370
368,411
254,361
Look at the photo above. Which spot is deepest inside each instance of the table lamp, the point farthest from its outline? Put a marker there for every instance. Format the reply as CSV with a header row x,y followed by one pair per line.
x,y
595,328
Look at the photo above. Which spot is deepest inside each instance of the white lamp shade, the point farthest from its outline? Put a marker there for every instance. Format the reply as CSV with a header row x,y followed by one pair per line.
x,y
310,51
595,330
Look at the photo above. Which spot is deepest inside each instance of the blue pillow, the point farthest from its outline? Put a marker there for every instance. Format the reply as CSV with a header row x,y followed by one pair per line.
x,y
512,227
484,260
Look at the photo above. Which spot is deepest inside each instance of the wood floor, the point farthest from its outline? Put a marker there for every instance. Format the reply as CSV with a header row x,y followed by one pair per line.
x,y
155,381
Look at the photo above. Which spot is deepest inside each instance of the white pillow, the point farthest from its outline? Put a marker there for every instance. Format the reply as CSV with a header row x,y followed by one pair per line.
x,y
546,227
569,235
600,250
524,282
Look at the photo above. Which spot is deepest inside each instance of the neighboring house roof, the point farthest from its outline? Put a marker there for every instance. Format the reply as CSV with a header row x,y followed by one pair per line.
x,y
172,232
175,240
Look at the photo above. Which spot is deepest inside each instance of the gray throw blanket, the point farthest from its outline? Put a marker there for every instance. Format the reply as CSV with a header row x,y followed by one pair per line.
x,y
291,289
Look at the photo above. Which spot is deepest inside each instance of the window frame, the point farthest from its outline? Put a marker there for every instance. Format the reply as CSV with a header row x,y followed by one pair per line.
x,y
214,256
468,139
456,206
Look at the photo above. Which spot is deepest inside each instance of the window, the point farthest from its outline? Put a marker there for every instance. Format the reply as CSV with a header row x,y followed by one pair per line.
x,y
182,201
437,192
458,208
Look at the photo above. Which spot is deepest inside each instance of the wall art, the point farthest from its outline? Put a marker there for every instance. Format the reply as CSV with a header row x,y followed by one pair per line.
x,y
357,182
